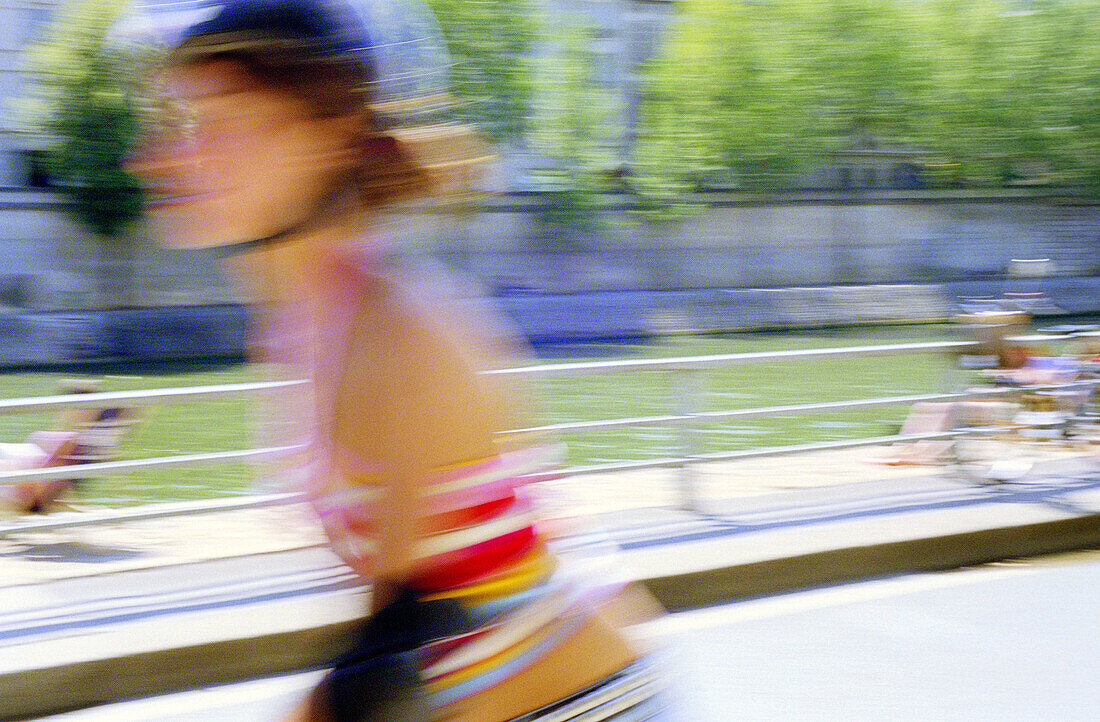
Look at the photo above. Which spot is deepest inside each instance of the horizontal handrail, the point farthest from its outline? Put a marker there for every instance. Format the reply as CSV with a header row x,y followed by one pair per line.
x,y
164,510
734,359
767,451
143,397
70,471
687,363
160,510
793,409
183,394
79,470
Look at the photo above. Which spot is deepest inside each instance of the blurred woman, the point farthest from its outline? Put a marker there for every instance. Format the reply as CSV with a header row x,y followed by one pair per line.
x,y
287,127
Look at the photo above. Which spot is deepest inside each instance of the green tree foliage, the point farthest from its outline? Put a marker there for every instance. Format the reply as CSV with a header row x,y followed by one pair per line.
x,y
81,104
489,46
765,90
95,138
863,63
731,92
681,131
576,130
1011,87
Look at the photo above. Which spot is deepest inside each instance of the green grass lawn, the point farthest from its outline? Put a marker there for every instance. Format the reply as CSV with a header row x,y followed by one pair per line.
x,y
220,424
648,393
227,424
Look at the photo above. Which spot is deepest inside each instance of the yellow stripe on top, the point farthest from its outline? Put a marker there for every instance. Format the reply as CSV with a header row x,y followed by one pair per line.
x,y
530,571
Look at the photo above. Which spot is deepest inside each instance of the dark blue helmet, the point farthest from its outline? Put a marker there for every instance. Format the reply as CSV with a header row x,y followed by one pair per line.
x,y
397,43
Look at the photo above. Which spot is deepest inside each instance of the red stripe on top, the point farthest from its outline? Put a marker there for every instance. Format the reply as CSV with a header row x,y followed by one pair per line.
x,y
460,567
469,516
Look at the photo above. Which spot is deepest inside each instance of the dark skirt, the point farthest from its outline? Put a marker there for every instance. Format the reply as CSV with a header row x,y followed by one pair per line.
x,y
376,679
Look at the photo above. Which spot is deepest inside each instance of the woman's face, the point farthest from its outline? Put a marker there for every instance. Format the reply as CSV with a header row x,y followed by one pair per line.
x,y
237,160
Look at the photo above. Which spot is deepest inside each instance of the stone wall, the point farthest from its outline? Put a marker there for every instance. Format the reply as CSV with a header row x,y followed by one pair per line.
x,y
179,332
208,331
815,241
894,238
58,265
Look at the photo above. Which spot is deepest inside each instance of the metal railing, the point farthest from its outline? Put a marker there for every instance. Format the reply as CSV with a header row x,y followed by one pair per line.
x,y
685,418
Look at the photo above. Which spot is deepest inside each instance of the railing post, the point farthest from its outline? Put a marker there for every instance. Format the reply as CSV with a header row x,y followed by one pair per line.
x,y
687,391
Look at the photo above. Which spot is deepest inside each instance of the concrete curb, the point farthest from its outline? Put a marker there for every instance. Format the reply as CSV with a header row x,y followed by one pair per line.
x,y
53,689
700,588
66,687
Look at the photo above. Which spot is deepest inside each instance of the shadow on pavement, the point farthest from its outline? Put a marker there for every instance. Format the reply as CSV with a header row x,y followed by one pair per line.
x,y
69,551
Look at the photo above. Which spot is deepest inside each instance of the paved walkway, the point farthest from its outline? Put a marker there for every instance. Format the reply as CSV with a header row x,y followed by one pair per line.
x,y
199,600
614,500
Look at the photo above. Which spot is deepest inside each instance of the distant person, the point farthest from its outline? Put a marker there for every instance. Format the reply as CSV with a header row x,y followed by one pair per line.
x,y
76,437
289,125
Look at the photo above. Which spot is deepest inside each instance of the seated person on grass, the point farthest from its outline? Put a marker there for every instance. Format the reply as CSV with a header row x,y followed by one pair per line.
x,y
81,435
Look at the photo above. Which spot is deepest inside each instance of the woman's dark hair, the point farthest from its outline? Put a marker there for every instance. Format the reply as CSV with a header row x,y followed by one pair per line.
x,y
331,87
326,53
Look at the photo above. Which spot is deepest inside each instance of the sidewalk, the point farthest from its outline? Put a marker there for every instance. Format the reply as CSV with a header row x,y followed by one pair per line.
x,y
201,600
613,500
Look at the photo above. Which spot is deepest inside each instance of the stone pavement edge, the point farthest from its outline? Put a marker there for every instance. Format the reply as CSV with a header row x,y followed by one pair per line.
x,y
787,524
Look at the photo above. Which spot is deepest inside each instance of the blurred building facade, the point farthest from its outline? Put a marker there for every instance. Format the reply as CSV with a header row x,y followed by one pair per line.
x,y
21,24
864,220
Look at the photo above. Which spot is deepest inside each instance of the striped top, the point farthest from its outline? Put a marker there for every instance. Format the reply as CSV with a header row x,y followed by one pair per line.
x,y
481,544
484,549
